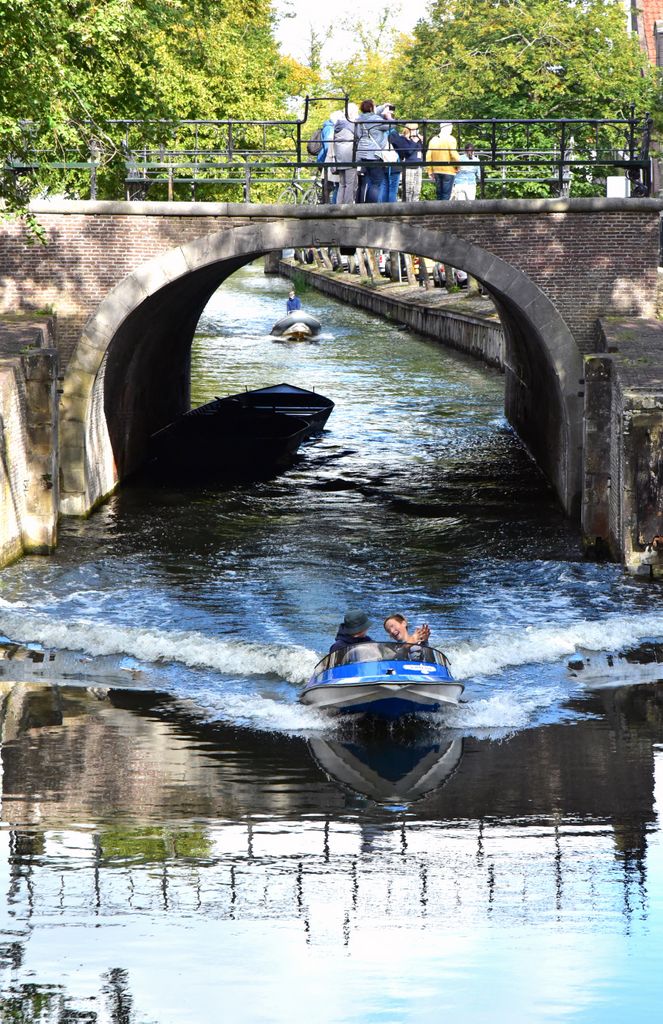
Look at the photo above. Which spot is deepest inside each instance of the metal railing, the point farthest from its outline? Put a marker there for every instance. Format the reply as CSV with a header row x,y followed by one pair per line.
x,y
267,160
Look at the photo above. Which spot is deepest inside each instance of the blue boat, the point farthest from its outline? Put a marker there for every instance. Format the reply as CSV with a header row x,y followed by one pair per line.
x,y
386,680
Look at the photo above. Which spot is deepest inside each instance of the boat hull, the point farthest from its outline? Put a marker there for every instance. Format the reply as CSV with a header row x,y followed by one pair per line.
x,y
286,399
297,325
390,700
219,440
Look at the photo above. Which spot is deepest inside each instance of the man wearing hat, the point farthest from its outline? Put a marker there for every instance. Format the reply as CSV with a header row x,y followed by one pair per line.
x,y
353,630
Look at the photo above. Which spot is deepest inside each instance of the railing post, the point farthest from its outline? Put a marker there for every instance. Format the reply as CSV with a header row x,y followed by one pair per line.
x,y
247,181
562,151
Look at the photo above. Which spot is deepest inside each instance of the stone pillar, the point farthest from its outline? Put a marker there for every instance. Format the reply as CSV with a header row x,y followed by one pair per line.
x,y
271,262
642,489
597,433
40,369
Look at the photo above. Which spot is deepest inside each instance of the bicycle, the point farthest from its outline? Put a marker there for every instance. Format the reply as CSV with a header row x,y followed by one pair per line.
x,y
302,193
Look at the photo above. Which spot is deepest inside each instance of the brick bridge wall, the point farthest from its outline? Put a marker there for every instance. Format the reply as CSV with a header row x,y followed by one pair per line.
x,y
592,258
128,282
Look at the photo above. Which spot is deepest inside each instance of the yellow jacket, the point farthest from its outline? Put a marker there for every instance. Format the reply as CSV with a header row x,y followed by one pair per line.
x,y
442,150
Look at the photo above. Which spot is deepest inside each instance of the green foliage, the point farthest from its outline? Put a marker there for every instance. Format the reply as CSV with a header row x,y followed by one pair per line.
x,y
371,71
524,59
67,66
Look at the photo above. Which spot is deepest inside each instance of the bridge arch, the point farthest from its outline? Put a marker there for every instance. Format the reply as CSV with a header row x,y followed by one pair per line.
x,y
114,395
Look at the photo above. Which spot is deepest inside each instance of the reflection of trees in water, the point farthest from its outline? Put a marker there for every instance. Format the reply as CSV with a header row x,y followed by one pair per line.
x,y
555,817
46,1004
116,990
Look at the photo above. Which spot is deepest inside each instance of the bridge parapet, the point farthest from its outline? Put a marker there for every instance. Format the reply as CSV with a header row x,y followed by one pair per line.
x,y
128,282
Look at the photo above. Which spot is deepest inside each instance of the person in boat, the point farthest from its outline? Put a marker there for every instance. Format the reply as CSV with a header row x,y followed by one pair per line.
x,y
294,302
396,627
353,630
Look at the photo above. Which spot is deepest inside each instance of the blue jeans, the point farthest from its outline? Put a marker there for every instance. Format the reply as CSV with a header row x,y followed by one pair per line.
x,y
443,185
375,176
393,178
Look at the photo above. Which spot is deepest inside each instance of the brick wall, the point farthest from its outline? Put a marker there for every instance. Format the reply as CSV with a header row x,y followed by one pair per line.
x,y
650,12
592,261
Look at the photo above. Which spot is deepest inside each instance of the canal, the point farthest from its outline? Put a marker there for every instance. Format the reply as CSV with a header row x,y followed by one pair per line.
x,y
181,841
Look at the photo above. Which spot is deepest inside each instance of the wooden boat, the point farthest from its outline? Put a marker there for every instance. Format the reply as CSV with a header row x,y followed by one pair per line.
x,y
296,326
388,680
288,400
222,438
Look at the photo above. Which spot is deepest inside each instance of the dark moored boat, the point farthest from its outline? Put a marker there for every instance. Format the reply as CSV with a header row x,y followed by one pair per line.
x,y
223,438
288,400
296,325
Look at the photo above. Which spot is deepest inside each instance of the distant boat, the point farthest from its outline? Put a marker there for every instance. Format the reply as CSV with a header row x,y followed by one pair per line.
x,y
224,438
296,326
286,399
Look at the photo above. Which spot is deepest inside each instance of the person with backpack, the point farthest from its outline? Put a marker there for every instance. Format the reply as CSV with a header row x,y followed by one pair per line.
x,y
371,132
326,156
344,152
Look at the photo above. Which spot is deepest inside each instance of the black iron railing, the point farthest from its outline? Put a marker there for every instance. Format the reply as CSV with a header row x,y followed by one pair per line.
x,y
267,160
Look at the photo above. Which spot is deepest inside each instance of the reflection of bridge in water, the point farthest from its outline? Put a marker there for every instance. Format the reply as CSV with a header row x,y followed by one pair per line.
x,y
185,818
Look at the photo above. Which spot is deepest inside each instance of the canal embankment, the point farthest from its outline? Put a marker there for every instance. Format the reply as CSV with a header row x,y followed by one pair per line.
x,y
28,437
622,503
468,323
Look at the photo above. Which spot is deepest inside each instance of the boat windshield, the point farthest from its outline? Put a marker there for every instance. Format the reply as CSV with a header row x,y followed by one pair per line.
x,y
381,652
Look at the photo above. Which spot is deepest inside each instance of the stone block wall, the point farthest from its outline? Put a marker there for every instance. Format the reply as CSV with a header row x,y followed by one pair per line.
x,y
623,451
29,486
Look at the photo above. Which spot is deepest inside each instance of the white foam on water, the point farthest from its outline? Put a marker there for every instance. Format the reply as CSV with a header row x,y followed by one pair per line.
x,y
196,650
548,644
508,710
264,714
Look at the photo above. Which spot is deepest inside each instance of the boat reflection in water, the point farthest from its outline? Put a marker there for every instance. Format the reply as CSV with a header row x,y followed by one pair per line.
x,y
388,771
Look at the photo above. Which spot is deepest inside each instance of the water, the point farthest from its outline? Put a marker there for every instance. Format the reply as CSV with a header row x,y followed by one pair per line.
x,y
199,839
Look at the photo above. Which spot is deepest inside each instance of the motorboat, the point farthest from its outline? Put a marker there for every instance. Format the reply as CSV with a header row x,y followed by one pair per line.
x,y
297,326
222,438
288,400
385,680
386,770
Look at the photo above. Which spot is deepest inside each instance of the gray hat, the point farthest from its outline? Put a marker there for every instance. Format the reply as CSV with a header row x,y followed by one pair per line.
x,y
355,621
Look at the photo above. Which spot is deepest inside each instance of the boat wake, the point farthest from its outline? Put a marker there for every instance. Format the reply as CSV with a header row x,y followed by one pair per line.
x,y
513,648
150,645
269,705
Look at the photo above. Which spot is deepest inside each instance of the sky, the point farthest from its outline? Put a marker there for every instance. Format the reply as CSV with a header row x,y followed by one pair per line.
x,y
293,33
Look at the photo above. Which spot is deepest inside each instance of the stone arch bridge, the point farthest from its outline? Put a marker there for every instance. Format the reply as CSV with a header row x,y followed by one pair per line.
x,y
128,282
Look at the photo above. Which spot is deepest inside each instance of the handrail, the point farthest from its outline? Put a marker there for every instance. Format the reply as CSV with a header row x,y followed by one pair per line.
x,y
154,150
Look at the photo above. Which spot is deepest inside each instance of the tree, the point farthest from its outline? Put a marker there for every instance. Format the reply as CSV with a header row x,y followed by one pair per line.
x,y
370,72
67,66
524,59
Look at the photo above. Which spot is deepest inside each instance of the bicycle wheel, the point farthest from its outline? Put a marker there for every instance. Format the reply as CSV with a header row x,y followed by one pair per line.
x,y
312,196
289,195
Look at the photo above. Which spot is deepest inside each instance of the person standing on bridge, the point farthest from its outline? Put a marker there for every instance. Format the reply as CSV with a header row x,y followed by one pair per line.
x,y
443,152
344,152
468,176
372,131
410,148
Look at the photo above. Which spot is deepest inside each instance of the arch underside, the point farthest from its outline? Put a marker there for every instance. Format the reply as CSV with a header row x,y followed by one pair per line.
x,y
129,375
